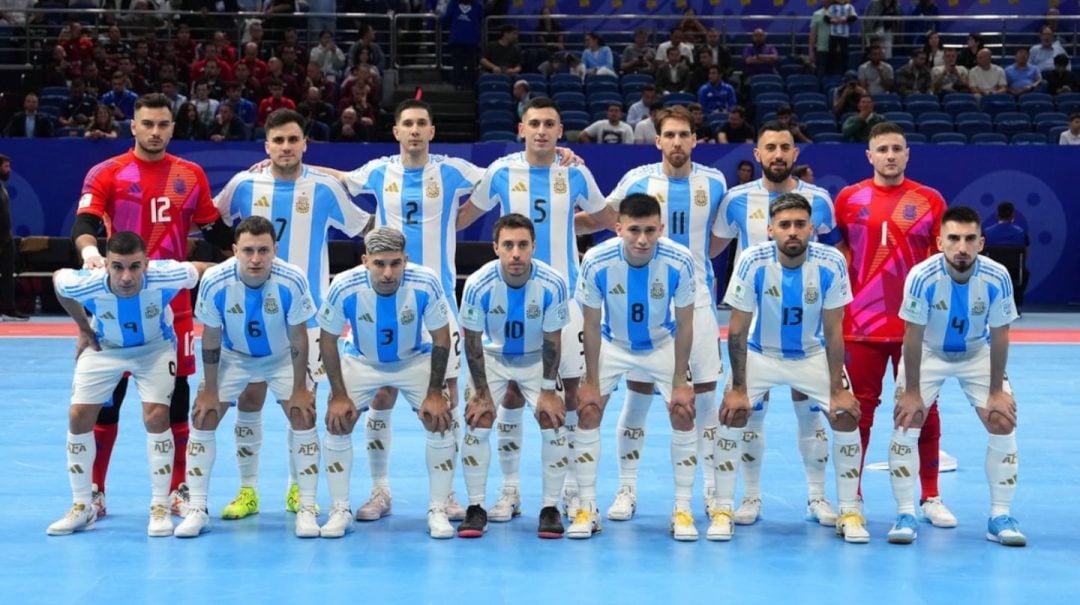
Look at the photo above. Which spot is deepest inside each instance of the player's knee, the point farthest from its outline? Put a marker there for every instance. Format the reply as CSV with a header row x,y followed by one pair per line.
x,y
300,419
682,418
844,423
251,399
999,424
589,416
156,417
384,399
739,419
513,399
81,419
545,422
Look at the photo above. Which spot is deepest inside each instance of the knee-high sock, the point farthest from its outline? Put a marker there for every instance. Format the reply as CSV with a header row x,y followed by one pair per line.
x,y
705,421
180,430
476,462
249,435
684,449
630,435
1001,472
847,455
813,447
379,435
570,431
929,453
440,456
903,467
508,429
201,452
290,440
104,440
338,456
726,461
159,453
305,456
555,456
752,451
80,459
587,458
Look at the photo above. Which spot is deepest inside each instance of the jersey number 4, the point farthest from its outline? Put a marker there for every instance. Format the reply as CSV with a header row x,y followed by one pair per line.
x,y
159,210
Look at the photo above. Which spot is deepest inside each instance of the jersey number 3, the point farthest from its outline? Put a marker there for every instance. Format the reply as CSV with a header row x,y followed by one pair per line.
x,y
159,210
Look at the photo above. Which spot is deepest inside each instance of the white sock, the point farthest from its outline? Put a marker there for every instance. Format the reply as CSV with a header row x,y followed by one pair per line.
x,y
475,463
587,452
159,452
1001,472
378,432
509,440
569,431
847,454
201,452
81,450
726,464
630,435
684,448
752,448
813,446
249,436
290,441
904,468
555,457
440,463
338,456
305,455
705,421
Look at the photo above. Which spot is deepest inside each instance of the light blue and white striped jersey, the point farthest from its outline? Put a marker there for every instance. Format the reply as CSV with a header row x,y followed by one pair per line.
x,y
549,196
691,205
637,301
302,212
254,321
744,214
958,317
134,320
386,328
423,204
513,320
788,303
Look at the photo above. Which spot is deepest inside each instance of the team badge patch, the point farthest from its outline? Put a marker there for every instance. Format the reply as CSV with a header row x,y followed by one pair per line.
x,y
432,189
810,296
560,184
179,186
407,316
532,311
303,205
270,306
979,307
700,198
657,290
909,212
152,311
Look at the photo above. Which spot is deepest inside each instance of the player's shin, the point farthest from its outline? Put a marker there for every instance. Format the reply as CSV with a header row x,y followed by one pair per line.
x,y
904,467
305,457
249,435
630,435
813,447
338,458
847,456
509,441
555,458
159,453
726,462
476,462
684,448
80,456
440,456
201,452
378,434
1001,472
705,421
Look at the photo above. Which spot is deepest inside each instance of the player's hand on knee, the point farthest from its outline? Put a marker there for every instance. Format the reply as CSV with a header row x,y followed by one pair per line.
x,y
1001,412
341,415
550,410
681,405
843,403
479,407
435,413
910,411
207,410
735,409
301,406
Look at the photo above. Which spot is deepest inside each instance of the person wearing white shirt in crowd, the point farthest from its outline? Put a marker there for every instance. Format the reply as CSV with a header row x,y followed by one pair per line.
x,y
611,130
1043,53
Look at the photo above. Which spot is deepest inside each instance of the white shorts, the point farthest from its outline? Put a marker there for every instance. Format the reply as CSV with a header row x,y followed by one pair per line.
x,y
527,371
705,364
363,379
316,370
572,352
656,366
238,370
152,367
973,374
809,375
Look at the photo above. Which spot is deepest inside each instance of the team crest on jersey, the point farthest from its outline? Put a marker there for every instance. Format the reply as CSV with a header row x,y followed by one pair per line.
x,y
407,316
979,307
810,296
432,189
152,311
303,205
909,212
657,290
560,185
270,306
700,198
532,311
179,186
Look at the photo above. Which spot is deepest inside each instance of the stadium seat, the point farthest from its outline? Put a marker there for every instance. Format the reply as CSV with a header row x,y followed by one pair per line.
x,y
973,127
493,136
1028,138
989,138
918,108
1054,134
949,138
893,116
915,138
1012,122
932,127
934,116
998,103
828,137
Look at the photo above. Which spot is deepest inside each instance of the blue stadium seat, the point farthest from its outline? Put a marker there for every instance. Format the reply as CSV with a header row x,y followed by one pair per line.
x,y
893,116
772,96
818,127
70,133
973,127
569,101
932,116
630,98
1035,106
56,91
770,78
907,126
493,83
635,80
828,137
602,86
537,82
764,87
932,127
601,80
1012,122
990,138
571,85
497,120
632,88
998,103
498,136
920,97
679,98
819,116
974,116
949,138
805,82
915,138
808,106
1054,134
958,106
917,108
1028,138
1068,102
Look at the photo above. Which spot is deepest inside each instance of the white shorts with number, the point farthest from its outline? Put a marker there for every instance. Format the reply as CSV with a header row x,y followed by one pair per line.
x,y
572,351
527,371
152,367
656,366
705,364
363,379
316,370
809,375
238,370
973,374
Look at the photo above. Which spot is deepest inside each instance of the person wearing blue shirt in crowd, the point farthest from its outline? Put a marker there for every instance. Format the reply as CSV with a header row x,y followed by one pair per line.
x,y
464,18
716,94
120,98
1022,77
1005,232
597,56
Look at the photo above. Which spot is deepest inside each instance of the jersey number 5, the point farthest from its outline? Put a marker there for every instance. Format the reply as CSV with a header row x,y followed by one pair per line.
x,y
159,210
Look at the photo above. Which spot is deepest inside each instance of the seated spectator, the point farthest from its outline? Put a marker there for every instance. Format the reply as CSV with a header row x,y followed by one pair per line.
x,y
1042,55
645,129
678,41
786,117
57,71
363,77
804,173
935,53
699,73
736,130
187,125
315,77
1007,233
641,108
716,95
243,108
315,109
360,102
856,128
78,46
210,55
226,126
276,100
92,76
522,93
78,110
744,173
120,98
575,66
504,56
1022,77
556,64
256,66
292,40
875,75
205,105
367,42
143,64
693,29
1072,135
172,93
638,57
250,88
597,56
550,32
760,57
114,44
720,55
183,46
291,64
348,129
363,61
986,78
673,75
135,81
915,76
214,81
846,96
611,130
225,50
102,126
950,77
275,72
1060,79
703,131
969,55
28,123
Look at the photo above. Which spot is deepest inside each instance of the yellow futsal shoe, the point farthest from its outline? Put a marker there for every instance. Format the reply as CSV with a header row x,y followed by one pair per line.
x,y
292,500
245,503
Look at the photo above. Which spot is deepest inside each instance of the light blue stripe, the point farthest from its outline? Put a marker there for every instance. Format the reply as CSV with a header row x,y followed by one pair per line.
x,y
637,293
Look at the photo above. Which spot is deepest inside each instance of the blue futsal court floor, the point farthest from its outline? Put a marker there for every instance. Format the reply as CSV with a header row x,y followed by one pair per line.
x,y
780,559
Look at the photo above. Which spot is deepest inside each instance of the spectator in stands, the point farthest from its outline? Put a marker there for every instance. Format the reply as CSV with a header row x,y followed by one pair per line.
x,y
243,108
736,129
935,53
315,77
120,98
949,77
846,96
78,110
703,130
57,70
550,32
205,105
465,18
645,129
256,67
210,55
1007,233
522,93
144,65
1048,48
315,109
348,129
760,57
250,88
919,27
1072,135
840,15
78,46
28,123
292,40
694,30
8,252
804,173
214,81
1060,79
327,55
574,65
856,128
324,21
969,56
172,92
744,173
276,100
719,54
716,95
114,44
91,74
187,126
638,57
504,56
986,78
275,71
363,61
225,50
597,56
611,130
876,76
184,46
360,100
677,40
254,32
226,126
699,73
135,81
881,30
290,62
367,41
556,64
786,117
1022,77
641,109
673,75
915,75
818,46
